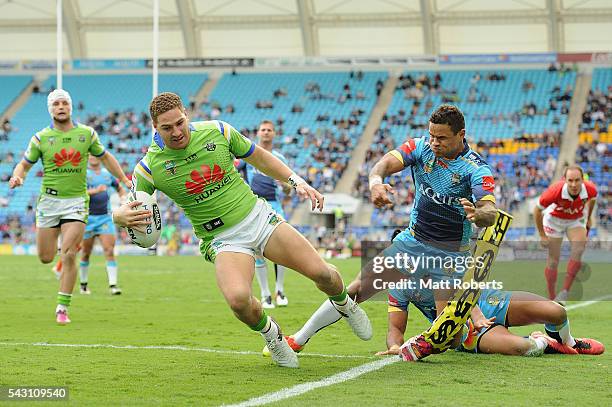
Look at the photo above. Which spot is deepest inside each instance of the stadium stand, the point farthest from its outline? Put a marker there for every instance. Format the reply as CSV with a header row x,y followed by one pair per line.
x,y
594,152
319,116
514,118
99,101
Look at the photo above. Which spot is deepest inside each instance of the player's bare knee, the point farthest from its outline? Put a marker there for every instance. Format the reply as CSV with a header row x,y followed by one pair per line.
x,y
557,313
46,258
552,263
239,303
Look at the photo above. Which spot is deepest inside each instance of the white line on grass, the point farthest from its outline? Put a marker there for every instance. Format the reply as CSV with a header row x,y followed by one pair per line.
x,y
170,347
352,373
306,387
587,303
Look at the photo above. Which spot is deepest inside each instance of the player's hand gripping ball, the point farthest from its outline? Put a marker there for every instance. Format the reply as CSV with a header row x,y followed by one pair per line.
x,y
147,235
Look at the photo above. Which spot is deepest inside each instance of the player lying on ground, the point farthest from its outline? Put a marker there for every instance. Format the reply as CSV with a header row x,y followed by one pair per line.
x,y
193,164
454,188
487,331
566,207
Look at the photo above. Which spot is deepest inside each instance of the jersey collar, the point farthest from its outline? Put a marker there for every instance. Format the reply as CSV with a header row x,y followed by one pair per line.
x,y
160,142
566,195
74,123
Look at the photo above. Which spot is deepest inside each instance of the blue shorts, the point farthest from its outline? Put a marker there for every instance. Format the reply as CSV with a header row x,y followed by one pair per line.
x,y
492,303
99,225
278,208
437,263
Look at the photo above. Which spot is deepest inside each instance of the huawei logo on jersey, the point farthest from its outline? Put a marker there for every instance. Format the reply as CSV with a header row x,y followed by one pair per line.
x,y
72,156
202,179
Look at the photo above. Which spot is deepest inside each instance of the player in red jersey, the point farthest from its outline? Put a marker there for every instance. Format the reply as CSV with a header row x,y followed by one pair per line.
x,y
565,208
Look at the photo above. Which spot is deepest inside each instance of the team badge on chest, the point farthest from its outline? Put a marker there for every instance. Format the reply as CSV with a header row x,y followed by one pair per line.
x,y
170,167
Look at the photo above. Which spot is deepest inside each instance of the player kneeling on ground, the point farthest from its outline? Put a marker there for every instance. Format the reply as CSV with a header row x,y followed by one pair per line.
x,y
193,164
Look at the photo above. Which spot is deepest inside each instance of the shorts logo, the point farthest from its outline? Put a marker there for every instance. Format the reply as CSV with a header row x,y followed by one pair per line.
x,y
203,179
72,156
170,167
274,219
493,300
488,183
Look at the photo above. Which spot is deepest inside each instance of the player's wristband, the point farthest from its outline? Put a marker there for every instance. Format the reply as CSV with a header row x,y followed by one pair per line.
x,y
295,180
375,180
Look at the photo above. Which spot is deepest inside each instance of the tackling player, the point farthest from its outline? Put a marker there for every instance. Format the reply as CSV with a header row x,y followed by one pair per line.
x,y
454,188
193,164
64,148
266,187
500,310
561,210
100,224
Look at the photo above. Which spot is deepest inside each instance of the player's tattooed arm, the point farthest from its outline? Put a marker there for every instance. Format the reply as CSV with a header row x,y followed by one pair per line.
x,y
388,165
395,332
482,214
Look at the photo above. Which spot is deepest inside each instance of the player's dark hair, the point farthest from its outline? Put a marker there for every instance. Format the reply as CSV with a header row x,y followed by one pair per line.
x,y
573,167
163,103
450,115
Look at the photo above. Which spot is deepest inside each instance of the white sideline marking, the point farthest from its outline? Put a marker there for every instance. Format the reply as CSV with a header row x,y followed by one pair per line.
x,y
352,373
170,347
306,387
587,303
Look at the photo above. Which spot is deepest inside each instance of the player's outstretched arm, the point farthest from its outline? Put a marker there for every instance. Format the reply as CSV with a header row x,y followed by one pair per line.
x,y
396,328
379,191
111,164
19,174
270,165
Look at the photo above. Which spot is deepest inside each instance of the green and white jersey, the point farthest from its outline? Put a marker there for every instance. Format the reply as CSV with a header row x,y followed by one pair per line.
x,y
64,158
201,178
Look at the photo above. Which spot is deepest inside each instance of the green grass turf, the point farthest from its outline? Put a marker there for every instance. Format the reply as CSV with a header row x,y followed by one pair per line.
x,y
175,301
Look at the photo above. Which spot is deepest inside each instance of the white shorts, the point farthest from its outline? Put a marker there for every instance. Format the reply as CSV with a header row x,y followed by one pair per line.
x,y
557,227
50,211
250,236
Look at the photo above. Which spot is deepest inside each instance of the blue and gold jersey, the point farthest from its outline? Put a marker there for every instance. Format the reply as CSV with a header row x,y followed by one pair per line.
x,y
262,185
99,203
438,218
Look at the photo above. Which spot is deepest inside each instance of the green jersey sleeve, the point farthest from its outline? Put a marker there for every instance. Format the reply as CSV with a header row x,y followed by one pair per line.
x,y
33,153
142,178
96,148
239,145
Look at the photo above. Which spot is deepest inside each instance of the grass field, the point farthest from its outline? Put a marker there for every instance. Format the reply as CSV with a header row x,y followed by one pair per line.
x,y
171,340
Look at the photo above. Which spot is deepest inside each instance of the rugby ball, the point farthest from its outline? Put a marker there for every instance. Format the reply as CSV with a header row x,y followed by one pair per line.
x,y
149,234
